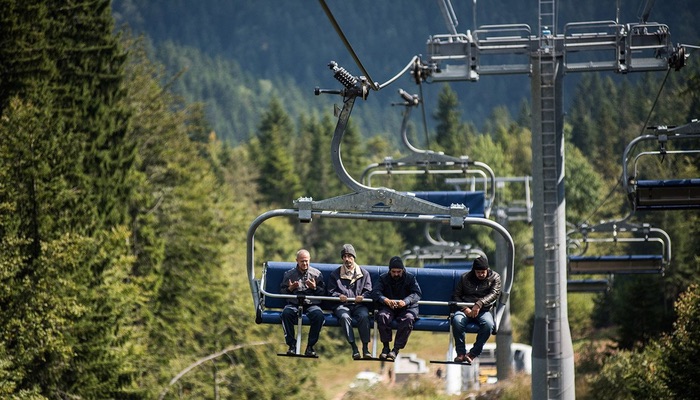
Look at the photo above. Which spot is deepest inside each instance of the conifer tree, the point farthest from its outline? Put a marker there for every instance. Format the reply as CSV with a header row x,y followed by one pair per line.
x,y
278,181
450,134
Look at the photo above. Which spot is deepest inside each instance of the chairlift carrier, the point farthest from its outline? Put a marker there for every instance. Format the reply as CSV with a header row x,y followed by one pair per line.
x,y
622,264
371,204
661,194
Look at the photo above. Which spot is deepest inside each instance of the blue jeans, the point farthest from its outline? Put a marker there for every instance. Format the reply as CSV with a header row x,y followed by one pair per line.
x,y
461,324
345,316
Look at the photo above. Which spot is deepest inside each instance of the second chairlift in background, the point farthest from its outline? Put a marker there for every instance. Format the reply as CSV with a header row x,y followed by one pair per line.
x,y
666,188
420,162
616,247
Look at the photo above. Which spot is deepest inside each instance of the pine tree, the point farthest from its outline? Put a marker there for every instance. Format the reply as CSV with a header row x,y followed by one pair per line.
x,y
60,99
449,130
278,182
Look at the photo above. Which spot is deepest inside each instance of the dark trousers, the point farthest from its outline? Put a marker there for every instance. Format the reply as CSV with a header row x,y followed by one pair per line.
x,y
359,313
290,318
403,318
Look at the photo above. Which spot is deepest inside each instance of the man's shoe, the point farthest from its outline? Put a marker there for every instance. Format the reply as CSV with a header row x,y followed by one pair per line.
x,y
355,352
461,358
391,356
291,350
310,352
383,355
366,354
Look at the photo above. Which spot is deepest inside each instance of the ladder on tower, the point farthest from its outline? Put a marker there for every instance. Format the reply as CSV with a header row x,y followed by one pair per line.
x,y
550,179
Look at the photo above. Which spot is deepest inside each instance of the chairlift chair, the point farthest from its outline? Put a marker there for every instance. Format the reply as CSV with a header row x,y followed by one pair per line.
x,y
620,232
675,193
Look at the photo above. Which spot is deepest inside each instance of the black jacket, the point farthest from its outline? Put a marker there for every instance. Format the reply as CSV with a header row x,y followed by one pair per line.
x,y
406,288
484,293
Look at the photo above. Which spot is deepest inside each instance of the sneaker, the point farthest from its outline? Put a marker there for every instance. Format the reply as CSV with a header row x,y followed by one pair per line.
x,y
461,358
355,352
366,354
383,355
310,352
391,356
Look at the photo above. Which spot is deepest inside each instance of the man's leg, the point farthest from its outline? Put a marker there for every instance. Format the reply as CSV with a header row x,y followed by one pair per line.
x,y
289,319
345,320
405,320
486,324
459,327
317,320
361,314
384,318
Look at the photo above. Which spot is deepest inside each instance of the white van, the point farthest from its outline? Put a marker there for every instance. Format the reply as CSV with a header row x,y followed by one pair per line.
x,y
521,359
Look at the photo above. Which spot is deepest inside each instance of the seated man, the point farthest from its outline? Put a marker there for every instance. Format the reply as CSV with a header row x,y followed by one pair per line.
x,y
351,280
481,286
397,293
305,280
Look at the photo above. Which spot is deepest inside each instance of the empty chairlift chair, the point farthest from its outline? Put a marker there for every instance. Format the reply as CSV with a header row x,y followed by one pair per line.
x,y
653,182
623,244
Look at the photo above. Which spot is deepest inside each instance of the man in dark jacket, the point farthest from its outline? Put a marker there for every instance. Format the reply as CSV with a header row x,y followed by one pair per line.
x,y
481,286
352,281
302,280
397,293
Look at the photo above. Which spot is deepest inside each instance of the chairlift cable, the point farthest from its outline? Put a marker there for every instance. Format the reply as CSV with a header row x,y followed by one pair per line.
x,y
340,33
653,106
658,94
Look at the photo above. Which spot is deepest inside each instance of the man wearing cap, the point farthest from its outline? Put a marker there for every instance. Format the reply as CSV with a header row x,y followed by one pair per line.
x,y
302,280
397,293
482,287
352,281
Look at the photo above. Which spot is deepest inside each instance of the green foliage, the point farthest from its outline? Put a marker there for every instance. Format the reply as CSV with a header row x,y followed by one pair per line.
x,y
278,181
450,135
583,185
630,375
682,347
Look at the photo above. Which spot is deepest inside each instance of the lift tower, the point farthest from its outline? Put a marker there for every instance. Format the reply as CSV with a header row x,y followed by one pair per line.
x,y
546,56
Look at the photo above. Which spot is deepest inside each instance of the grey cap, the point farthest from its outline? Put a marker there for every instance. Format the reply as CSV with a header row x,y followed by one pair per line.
x,y
348,249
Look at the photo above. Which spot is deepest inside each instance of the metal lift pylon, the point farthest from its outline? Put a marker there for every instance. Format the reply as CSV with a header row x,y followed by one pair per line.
x,y
546,57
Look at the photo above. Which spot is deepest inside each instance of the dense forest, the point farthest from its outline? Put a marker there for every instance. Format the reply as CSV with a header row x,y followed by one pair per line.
x,y
236,55
125,198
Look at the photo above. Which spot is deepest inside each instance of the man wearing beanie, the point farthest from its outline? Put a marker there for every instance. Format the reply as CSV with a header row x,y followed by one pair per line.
x,y
352,281
397,293
482,287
